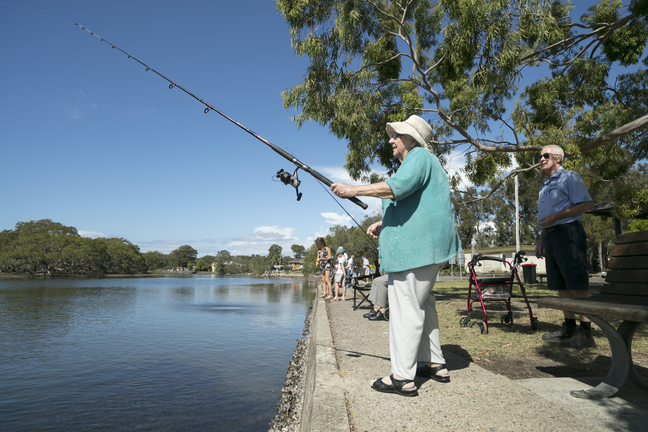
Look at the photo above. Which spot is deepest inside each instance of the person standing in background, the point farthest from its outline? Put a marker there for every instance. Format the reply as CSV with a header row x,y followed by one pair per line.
x,y
563,243
366,268
340,275
324,263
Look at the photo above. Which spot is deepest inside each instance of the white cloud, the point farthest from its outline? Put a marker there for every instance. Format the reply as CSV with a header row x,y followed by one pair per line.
x,y
274,232
164,246
336,218
455,165
91,234
260,241
337,175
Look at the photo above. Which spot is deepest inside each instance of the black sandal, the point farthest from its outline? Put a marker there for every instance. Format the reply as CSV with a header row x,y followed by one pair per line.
x,y
431,372
396,386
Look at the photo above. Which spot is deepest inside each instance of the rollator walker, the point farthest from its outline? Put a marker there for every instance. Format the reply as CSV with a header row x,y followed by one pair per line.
x,y
495,289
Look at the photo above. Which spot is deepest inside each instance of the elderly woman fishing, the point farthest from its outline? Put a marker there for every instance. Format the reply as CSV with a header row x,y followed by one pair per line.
x,y
417,236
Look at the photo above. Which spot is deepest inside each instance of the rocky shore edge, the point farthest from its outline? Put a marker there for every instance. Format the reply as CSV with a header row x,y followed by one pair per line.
x,y
291,401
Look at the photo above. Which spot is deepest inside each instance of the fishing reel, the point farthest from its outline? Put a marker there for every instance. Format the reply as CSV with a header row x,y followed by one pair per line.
x,y
292,180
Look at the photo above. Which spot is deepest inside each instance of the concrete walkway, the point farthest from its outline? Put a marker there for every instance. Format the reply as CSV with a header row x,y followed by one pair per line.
x,y
351,351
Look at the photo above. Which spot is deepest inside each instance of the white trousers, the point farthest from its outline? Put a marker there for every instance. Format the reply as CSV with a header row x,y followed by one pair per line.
x,y
413,322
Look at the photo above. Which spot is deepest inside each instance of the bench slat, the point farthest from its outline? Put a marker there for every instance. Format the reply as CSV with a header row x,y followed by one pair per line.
x,y
636,262
641,236
627,276
631,289
628,308
630,249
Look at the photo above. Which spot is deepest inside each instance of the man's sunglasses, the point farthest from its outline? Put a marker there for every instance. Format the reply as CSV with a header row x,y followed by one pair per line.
x,y
396,135
546,155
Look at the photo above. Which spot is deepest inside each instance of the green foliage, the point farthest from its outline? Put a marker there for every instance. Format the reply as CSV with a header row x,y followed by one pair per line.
x,y
205,263
46,247
39,246
222,259
123,256
297,250
274,254
184,256
157,260
461,64
639,225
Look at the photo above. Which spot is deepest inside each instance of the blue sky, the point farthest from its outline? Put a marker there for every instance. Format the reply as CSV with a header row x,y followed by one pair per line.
x,y
90,139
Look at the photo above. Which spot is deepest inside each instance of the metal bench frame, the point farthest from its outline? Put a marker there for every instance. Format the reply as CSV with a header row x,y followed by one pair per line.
x,y
625,298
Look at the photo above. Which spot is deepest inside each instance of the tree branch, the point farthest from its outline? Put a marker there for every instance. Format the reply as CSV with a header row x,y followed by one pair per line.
x,y
616,134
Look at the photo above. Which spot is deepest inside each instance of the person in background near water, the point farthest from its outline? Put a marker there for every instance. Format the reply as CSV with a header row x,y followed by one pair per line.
x,y
365,266
340,275
562,201
349,272
418,234
324,262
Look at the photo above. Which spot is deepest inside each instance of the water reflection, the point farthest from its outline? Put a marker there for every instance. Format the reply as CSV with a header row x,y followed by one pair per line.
x,y
150,354
183,294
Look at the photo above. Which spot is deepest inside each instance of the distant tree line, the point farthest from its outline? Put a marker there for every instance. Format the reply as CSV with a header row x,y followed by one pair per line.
x,y
45,247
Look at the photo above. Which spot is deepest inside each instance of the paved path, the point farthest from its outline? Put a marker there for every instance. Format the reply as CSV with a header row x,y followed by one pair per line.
x,y
352,351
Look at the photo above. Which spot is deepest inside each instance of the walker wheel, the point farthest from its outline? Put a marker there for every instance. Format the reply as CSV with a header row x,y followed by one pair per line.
x,y
507,319
465,321
386,314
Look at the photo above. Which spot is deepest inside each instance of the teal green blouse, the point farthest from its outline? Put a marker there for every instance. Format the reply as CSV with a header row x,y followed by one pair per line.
x,y
418,226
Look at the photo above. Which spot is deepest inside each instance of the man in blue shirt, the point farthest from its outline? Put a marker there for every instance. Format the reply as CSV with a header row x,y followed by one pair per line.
x,y
562,201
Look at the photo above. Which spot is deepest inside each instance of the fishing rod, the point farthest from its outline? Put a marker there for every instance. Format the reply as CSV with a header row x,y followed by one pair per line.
x,y
285,177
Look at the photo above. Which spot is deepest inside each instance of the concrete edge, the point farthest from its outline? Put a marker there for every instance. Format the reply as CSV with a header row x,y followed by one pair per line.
x,y
309,382
324,407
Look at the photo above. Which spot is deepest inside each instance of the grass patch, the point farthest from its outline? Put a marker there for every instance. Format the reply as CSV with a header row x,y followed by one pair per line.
x,y
516,345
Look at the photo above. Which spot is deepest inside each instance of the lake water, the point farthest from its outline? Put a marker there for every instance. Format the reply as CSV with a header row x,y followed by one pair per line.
x,y
195,353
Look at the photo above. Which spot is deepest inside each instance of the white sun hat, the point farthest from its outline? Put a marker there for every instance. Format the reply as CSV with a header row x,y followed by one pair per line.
x,y
415,127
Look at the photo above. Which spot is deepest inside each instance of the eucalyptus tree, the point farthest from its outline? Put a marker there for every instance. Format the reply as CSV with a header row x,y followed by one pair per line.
x,y
222,259
184,255
297,250
497,80
156,260
123,257
274,255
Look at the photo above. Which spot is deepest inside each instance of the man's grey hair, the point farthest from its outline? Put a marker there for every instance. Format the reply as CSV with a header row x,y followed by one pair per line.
x,y
555,149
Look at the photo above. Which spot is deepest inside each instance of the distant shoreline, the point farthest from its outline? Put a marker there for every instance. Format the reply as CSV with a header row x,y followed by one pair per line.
x,y
5,275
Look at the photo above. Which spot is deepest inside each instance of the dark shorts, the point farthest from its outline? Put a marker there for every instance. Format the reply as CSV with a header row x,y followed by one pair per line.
x,y
566,258
324,266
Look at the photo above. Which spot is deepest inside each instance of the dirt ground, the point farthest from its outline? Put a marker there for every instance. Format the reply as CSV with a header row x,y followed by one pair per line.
x,y
522,367
518,352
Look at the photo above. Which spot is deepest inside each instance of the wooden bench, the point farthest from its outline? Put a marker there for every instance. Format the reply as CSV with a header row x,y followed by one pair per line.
x,y
625,298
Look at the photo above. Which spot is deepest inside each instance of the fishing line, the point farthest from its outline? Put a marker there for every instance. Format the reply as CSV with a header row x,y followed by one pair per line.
x,y
285,177
348,214
36,13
